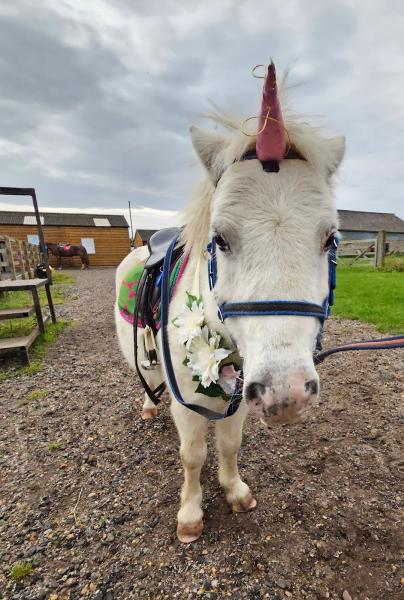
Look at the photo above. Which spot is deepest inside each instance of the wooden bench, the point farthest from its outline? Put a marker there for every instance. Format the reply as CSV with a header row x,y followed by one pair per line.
x,y
23,343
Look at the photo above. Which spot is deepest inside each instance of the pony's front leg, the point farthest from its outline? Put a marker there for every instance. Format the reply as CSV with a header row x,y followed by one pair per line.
x,y
228,441
192,430
149,409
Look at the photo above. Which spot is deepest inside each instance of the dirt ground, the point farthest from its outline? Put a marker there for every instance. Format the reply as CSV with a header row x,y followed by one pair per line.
x,y
96,516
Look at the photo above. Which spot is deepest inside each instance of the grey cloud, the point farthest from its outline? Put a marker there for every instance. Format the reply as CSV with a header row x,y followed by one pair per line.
x,y
95,106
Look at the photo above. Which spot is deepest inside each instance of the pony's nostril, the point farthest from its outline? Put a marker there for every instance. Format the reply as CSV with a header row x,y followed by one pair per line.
x,y
254,390
311,386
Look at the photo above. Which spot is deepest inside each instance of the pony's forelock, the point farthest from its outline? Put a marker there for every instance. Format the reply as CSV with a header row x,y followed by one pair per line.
x,y
307,139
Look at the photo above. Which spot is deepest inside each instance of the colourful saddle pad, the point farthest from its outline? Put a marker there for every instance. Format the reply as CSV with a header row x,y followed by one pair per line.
x,y
129,287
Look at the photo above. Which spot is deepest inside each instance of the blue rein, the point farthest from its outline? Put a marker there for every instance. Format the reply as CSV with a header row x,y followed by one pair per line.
x,y
209,414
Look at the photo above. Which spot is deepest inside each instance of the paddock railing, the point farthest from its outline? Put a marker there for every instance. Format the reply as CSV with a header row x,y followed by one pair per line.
x,y
374,250
18,260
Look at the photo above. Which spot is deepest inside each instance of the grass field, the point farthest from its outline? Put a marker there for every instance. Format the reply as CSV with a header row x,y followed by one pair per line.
x,y
371,295
20,327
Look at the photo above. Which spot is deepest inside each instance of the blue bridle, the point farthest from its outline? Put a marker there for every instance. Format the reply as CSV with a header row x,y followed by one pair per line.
x,y
236,309
264,308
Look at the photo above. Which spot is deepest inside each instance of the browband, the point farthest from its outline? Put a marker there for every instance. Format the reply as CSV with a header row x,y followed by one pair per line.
x,y
269,166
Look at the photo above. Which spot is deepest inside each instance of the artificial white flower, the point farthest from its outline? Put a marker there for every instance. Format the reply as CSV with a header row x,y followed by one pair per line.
x,y
189,322
204,356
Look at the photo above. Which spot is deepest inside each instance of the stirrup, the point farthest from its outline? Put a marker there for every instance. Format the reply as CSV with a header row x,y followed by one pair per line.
x,y
150,349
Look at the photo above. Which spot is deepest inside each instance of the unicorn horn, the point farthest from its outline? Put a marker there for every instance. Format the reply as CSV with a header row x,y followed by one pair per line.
x,y
271,139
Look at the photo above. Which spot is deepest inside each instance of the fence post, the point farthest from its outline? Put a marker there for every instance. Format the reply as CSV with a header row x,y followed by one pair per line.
x,y
10,257
380,250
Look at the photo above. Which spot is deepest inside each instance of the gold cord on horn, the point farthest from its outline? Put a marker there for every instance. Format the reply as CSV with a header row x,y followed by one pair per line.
x,y
267,117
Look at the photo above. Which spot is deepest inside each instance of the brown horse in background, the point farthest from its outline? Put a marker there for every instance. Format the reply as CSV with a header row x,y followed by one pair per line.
x,y
60,250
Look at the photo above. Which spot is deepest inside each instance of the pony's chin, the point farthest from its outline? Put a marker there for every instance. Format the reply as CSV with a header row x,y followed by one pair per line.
x,y
289,419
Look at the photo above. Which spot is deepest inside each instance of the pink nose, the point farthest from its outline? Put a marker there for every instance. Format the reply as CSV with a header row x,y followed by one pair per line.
x,y
285,399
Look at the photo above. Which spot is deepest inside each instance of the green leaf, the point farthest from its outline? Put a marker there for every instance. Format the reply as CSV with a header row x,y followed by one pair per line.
x,y
190,300
185,361
213,390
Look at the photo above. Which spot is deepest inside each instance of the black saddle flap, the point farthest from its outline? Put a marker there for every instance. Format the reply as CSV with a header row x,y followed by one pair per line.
x,y
158,246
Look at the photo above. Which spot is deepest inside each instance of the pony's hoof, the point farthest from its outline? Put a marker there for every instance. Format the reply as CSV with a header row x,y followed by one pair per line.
x,y
189,533
246,504
149,413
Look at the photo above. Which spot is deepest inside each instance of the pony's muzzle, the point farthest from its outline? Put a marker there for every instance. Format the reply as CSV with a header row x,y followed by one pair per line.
x,y
282,401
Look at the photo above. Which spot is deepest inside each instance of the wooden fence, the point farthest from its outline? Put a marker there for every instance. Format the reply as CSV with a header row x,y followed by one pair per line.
x,y
18,260
374,250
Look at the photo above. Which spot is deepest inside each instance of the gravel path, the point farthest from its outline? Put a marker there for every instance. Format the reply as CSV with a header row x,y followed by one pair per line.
x,y
96,516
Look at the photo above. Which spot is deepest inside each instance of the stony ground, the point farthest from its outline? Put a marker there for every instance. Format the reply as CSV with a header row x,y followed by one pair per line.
x,y
89,492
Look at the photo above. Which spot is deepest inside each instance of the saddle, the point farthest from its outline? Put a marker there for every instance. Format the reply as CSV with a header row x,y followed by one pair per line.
x,y
149,285
158,245
148,296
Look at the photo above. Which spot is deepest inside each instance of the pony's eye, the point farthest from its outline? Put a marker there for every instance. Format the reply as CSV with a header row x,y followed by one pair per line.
x,y
221,243
329,241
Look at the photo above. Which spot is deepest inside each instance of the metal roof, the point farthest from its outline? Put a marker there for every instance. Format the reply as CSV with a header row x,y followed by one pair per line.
x,y
357,220
146,234
8,217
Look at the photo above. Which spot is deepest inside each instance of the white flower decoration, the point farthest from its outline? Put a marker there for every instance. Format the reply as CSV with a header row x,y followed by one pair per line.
x,y
204,356
189,322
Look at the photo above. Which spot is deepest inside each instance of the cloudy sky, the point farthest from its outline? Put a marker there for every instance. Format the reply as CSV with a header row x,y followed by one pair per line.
x,y
96,96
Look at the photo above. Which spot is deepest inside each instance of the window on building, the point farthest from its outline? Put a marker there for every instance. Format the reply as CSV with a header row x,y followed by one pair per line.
x,y
88,244
101,222
33,239
31,220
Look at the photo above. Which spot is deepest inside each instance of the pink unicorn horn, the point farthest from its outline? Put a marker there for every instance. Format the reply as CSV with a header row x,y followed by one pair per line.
x,y
271,139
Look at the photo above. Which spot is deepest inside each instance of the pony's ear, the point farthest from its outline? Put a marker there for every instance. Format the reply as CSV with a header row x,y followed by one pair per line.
x,y
209,146
336,151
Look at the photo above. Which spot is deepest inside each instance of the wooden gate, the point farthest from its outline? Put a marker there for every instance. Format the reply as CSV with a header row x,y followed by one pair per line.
x,y
18,260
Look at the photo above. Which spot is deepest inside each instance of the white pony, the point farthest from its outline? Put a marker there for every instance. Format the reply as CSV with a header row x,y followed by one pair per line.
x,y
272,231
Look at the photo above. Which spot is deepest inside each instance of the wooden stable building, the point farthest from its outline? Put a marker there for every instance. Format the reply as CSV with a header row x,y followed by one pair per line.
x,y
142,236
105,237
363,225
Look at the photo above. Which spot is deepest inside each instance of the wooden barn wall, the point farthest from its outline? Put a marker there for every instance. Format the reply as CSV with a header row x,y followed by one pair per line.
x,y
111,243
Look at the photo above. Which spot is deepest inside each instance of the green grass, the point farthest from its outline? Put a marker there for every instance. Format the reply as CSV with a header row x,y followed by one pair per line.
x,y
35,395
59,278
21,570
54,446
374,296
